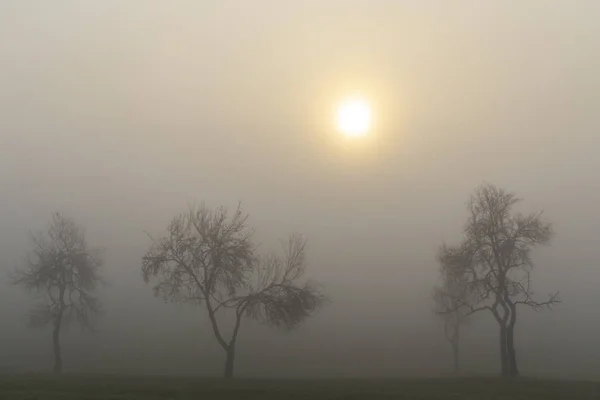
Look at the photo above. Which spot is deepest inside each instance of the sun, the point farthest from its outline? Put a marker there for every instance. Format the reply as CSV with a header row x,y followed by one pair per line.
x,y
353,117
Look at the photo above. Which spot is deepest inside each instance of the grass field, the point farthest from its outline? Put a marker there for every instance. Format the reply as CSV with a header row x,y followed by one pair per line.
x,y
32,387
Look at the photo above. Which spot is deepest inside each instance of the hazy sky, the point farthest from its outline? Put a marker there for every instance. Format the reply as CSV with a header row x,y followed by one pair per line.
x,y
120,113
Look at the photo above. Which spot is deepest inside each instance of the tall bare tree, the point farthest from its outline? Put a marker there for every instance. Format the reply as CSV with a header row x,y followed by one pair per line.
x,y
62,271
208,258
494,261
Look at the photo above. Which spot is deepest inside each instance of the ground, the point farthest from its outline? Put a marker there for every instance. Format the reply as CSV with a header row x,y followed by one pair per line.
x,y
72,387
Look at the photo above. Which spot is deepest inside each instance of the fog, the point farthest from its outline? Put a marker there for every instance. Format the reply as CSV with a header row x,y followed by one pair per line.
x,y
120,114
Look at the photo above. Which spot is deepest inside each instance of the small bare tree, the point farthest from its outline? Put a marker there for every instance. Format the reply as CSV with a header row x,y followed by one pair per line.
x,y
449,298
208,258
63,272
494,262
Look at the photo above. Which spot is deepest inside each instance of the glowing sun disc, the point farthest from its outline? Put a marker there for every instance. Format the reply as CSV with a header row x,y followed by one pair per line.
x,y
353,117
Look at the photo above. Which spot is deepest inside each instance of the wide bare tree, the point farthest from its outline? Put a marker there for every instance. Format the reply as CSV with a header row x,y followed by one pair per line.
x,y
494,262
62,271
208,258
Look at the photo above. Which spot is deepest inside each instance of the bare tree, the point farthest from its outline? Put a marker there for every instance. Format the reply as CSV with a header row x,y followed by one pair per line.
x,y
63,272
208,258
449,298
494,261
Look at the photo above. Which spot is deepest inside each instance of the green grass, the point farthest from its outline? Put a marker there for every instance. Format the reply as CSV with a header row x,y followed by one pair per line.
x,y
47,387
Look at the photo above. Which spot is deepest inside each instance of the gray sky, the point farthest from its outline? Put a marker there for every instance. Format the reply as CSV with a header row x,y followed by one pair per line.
x,y
121,113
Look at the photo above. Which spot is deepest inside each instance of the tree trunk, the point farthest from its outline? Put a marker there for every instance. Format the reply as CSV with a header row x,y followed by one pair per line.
x,y
456,359
229,362
510,338
510,341
455,346
56,345
504,359
512,356
56,333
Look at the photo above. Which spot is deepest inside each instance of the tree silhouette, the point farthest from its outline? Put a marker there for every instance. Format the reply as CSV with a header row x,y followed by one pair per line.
x,y
63,272
208,258
494,263
448,299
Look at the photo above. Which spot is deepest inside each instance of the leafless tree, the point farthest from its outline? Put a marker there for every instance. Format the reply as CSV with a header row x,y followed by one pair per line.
x,y
494,261
208,258
63,272
449,298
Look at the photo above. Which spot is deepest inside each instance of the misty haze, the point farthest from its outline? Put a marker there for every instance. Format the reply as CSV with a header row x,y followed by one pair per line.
x,y
315,189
